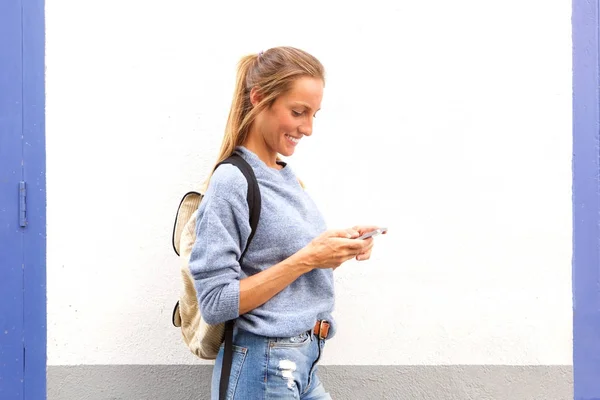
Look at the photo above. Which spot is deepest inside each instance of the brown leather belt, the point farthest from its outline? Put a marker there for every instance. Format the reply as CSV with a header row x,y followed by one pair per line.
x,y
321,329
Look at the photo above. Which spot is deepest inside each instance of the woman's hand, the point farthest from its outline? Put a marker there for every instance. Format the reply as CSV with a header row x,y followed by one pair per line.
x,y
334,247
361,231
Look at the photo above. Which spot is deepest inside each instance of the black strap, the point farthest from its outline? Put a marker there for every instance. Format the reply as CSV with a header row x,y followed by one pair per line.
x,y
254,204
253,196
227,360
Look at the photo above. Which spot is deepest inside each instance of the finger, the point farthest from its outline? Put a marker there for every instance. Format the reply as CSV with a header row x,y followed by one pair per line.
x,y
354,255
353,233
353,245
362,229
367,244
341,233
363,256
366,253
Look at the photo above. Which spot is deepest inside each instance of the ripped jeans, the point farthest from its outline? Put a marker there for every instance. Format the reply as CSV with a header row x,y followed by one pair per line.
x,y
266,368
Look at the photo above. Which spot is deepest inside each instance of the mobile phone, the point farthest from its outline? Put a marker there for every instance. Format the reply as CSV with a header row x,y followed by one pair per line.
x,y
373,233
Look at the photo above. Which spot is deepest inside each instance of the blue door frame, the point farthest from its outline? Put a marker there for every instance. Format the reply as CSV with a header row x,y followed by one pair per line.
x,y
586,200
22,201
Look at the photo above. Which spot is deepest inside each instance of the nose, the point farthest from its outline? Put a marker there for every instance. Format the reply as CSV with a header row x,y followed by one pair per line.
x,y
306,127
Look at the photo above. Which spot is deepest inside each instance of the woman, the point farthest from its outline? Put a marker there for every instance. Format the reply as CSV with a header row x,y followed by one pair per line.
x,y
282,295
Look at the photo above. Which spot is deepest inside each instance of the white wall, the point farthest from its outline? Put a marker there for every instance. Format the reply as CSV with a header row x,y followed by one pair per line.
x,y
448,122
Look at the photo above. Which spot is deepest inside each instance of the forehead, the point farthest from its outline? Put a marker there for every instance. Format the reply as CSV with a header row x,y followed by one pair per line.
x,y
306,90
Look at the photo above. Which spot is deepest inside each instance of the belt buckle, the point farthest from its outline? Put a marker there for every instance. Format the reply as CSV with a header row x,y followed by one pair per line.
x,y
321,329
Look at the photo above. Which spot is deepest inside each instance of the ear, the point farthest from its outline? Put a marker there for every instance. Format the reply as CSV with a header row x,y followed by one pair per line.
x,y
255,96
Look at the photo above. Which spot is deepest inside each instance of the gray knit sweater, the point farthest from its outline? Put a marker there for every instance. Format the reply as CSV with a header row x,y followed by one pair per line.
x,y
289,220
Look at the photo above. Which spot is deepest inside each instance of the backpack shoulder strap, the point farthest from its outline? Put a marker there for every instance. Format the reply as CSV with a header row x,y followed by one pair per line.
x,y
254,204
253,196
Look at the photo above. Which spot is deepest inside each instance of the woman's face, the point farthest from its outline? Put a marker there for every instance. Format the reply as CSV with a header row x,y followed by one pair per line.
x,y
290,118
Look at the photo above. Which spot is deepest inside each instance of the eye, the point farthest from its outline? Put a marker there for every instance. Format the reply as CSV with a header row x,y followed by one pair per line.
x,y
297,113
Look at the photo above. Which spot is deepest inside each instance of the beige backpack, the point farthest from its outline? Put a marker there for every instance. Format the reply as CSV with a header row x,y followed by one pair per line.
x,y
202,339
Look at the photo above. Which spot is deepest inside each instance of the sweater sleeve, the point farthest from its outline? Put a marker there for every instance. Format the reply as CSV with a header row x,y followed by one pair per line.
x,y
222,230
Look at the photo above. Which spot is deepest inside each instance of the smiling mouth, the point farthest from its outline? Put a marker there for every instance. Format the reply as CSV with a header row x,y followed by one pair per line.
x,y
292,139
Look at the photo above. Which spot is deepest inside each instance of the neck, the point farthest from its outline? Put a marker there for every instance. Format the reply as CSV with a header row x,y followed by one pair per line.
x,y
257,145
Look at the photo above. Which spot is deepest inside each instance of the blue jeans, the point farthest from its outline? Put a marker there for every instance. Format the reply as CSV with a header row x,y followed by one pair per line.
x,y
266,368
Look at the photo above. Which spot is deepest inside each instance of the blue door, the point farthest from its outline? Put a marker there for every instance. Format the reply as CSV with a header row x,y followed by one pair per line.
x,y
22,201
11,174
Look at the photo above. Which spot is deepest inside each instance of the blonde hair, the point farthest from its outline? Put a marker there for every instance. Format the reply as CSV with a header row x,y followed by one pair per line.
x,y
272,73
